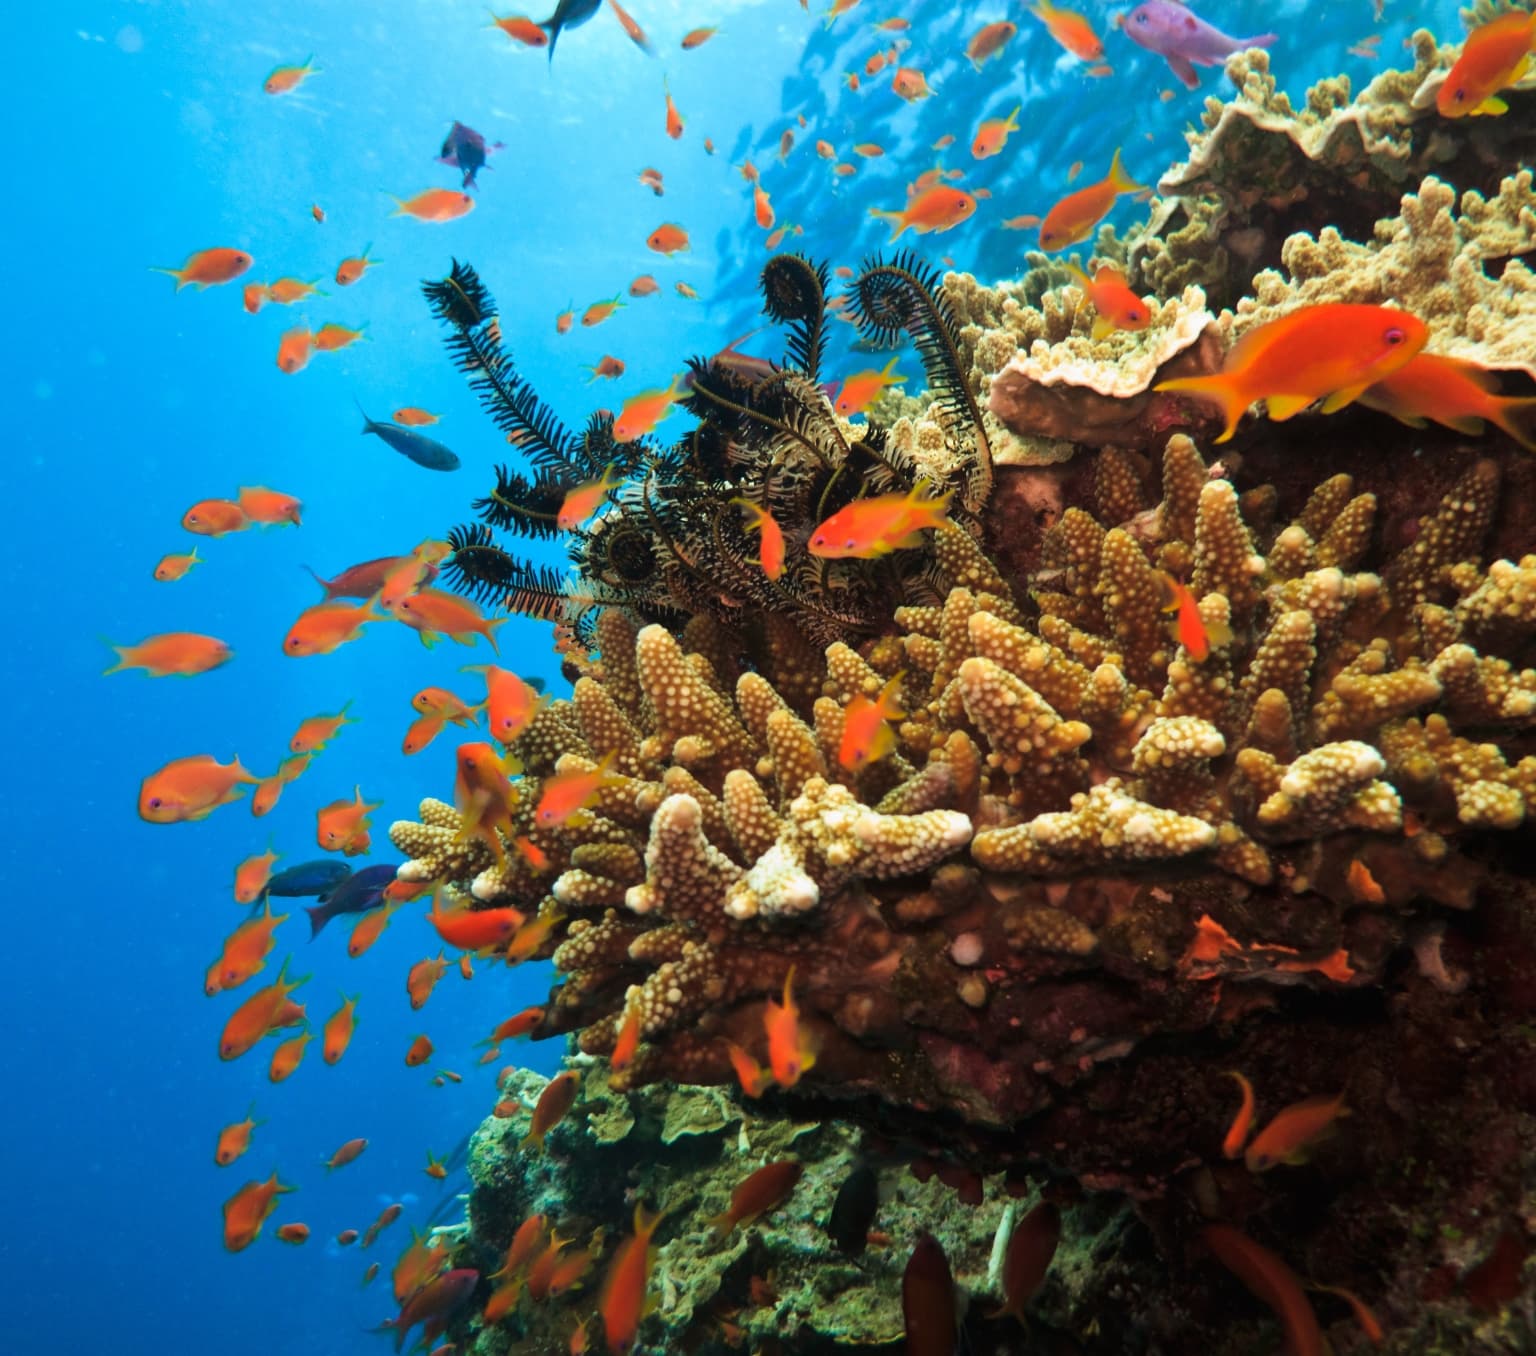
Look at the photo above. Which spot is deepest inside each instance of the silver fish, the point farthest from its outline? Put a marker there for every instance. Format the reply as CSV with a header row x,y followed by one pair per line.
x,y
407,442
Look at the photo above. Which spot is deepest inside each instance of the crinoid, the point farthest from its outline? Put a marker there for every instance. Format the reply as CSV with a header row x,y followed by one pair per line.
x,y
670,542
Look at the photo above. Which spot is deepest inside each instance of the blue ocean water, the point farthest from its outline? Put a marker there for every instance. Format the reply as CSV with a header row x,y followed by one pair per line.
x,y
151,138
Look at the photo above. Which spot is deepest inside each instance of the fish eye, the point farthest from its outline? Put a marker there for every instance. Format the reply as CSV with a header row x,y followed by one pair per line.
x,y
154,802
1394,335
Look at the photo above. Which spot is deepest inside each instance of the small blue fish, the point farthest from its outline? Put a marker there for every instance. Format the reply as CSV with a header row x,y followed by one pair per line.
x,y
424,451
360,892
465,149
568,14
308,878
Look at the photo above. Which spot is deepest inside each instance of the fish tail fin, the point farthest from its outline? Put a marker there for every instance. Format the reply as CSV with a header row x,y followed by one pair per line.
x,y
490,633
1119,179
368,424
889,368
318,578
1079,274
1220,391
1516,415
120,651
1258,40
178,274
1012,121
757,512
318,918
897,217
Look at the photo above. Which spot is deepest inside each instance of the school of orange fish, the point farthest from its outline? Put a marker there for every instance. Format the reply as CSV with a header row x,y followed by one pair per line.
x,y
1332,353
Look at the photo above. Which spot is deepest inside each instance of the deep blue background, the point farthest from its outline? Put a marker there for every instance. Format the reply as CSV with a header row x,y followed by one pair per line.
x,y
148,136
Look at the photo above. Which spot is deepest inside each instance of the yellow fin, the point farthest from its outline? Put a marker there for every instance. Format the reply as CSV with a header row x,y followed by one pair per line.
x,y
1283,407
1345,395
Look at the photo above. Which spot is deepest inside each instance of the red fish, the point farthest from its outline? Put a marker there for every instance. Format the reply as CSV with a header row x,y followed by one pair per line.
x,y
558,1097
1455,393
1271,1281
286,79
1330,352
484,796
342,825
771,546
755,1080
988,41
235,1138
315,732
928,1300
674,118
993,134
1118,307
288,1056
215,518
641,413
563,794
474,929
510,703
422,979
327,626
175,566
252,875
757,1194
1242,1122
180,654
336,1035
791,1050
434,1304
209,268
1031,1247
583,501
874,527
867,734
934,209
860,390
1293,1131
624,1289
1070,29
345,1154
269,507
349,270
1495,55
1191,628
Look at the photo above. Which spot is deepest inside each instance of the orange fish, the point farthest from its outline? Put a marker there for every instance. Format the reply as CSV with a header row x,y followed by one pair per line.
x,y
1191,629
331,336
413,417
474,929
209,268
1119,308
215,518
878,526
934,209
286,291
771,547
520,1024
336,1034
910,84
246,949
1495,55
342,826
172,567
191,788
350,269
247,1210
668,239
435,204
1074,217
422,978
315,732
484,797
269,789
286,79
235,1138
757,1194
748,171
1455,393
599,311
762,209
421,732
859,391
1293,1131
1070,29
345,1154
791,1051
564,321
436,1167
1269,1280
565,793
269,507
826,150
368,929
346,1238
644,286
325,626
684,290
709,146
1242,1122
532,936
294,349
253,297
1330,352
293,1233
557,1098
623,1300
755,1080
510,703
867,735
697,37
583,501
522,30
652,179
288,1055
641,413
839,8
993,133
988,41
786,144
1021,223
1031,1246
607,366
635,33
252,875
627,1043
431,611
674,118
1365,1316
180,654
421,1048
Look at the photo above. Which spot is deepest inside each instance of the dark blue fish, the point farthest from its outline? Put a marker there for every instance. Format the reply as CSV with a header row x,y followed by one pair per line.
x,y
568,14
308,878
407,442
360,892
465,149
854,1210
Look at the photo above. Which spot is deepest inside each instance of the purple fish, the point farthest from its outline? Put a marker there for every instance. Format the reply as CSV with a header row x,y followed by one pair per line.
x,y
358,893
1169,29
465,149
434,1304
